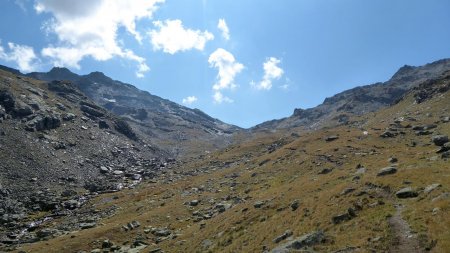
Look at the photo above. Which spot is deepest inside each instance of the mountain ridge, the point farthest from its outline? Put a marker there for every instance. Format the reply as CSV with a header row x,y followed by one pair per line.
x,y
336,109
165,122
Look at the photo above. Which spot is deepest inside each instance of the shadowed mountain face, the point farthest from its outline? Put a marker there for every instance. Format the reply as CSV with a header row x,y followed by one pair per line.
x,y
164,122
360,100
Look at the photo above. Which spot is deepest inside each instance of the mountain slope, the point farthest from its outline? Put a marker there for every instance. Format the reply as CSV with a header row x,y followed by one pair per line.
x,y
58,149
351,188
180,129
360,100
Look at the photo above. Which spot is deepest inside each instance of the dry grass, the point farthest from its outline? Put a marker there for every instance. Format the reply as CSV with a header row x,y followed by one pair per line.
x,y
291,173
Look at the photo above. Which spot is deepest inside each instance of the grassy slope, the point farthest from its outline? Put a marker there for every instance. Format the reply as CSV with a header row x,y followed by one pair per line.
x,y
292,173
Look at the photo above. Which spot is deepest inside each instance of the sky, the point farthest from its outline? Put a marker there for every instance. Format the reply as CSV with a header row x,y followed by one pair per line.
x,y
243,62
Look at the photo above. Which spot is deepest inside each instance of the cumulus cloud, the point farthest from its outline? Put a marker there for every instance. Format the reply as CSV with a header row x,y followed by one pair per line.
x,y
271,72
189,100
220,98
228,68
171,37
223,27
89,28
22,55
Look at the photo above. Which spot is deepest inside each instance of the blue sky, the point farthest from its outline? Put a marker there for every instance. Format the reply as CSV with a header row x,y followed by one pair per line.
x,y
275,56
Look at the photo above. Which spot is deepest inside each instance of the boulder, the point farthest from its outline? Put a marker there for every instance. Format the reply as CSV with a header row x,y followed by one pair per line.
x,y
295,205
194,202
301,242
69,116
388,134
331,138
102,124
91,111
161,232
443,148
432,187
43,122
387,171
258,204
46,232
283,236
392,160
22,110
439,140
87,225
325,171
407,192
7,100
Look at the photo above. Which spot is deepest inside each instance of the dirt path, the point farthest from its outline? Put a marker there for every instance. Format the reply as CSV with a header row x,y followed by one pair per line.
x,y
404,241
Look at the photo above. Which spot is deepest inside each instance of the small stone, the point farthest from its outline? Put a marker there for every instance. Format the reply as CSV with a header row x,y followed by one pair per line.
x,y
103,170
106,244
194,202
258,204
295,205
118,172
393,160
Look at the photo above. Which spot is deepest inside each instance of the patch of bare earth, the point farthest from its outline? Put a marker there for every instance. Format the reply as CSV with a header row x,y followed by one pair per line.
x,y
404,241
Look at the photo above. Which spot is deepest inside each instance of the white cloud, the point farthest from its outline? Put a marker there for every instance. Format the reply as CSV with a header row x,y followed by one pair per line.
x,y
223,27
172,37
220,98
89,28
271,72
22,55
189,100
228,68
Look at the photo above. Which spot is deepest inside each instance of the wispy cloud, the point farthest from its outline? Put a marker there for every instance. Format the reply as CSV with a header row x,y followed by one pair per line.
x,y
22,55
171,37
228,68
90,29
271,72
223,27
